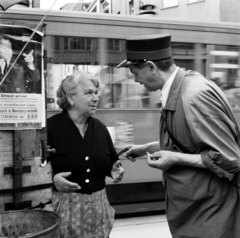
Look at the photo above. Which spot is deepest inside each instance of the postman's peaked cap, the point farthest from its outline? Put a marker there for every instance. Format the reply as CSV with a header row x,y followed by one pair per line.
x,y
153,47
144,48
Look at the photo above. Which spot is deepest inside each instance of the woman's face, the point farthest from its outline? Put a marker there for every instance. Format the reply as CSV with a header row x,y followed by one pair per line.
x,y
86,100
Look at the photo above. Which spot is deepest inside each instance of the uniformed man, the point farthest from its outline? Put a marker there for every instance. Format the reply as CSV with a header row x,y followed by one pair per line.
x,y
198,148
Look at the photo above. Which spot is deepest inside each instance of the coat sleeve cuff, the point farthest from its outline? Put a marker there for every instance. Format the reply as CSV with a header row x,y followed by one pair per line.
x,y
209,162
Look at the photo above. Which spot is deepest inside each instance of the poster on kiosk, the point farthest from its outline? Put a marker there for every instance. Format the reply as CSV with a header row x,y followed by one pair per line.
x,y
22,94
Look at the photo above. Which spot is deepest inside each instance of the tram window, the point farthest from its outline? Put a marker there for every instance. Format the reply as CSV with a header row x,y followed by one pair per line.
x,y
114,44
233,48
233,71
100,56
97,56
81,44
88,44
77,43
109,44
74,43
186,48
56,43
118,87
226,72
185,64
65,43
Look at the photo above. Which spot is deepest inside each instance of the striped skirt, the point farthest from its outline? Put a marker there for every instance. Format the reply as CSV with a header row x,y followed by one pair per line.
x,y
84,215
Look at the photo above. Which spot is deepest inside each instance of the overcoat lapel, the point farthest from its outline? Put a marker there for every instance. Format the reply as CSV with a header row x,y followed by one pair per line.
x,y
174,90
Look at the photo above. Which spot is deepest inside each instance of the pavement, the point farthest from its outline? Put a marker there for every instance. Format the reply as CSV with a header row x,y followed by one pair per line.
x,y
154,226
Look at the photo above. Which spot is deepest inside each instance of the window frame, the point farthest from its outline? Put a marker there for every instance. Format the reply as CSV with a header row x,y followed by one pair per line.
x,y
193,1
169,6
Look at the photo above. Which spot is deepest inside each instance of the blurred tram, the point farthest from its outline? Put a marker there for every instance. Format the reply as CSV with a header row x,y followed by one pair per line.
x,y
96,43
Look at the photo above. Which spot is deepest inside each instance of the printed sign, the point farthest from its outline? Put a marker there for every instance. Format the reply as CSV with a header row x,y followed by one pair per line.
x,y
22,98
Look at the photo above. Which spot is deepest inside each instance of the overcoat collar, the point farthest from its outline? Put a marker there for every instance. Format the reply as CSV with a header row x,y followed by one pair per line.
x,y
174,90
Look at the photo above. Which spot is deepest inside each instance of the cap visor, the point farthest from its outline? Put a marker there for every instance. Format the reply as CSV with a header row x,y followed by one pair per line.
x,y
124,63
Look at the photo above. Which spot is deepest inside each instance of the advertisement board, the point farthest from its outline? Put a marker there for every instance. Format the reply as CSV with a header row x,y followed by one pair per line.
x,y
22,94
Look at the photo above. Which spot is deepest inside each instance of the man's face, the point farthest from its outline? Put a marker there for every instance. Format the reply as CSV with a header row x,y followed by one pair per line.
x,y
5,49
146,76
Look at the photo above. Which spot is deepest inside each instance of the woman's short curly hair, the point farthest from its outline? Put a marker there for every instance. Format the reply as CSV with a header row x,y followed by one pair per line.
x,y
69,86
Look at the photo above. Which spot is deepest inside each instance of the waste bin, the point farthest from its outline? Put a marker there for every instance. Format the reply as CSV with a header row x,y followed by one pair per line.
x,y
29,224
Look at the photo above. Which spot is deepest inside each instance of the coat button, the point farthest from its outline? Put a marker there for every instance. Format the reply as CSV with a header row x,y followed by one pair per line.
x,y
86,158
88,170
17,90
87,180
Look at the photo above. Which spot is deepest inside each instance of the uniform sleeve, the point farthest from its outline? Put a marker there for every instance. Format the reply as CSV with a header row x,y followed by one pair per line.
x,y
214,133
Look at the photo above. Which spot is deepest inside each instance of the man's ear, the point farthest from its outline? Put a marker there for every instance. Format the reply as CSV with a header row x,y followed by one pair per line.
x,y
151,65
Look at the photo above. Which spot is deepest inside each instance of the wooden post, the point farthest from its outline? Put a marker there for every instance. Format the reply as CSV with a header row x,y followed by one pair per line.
x,y
17,164
25,181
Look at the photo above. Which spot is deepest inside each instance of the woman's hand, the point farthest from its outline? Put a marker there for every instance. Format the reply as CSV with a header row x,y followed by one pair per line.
x,y
63,185
117,172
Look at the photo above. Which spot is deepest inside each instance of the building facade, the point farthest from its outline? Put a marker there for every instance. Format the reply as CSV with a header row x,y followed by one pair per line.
x,y
190,10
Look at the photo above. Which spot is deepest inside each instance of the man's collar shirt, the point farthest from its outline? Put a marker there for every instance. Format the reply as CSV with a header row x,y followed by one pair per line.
x,y
166,88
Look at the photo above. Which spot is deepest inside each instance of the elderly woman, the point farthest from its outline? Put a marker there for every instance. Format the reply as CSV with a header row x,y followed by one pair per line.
x,y
84,156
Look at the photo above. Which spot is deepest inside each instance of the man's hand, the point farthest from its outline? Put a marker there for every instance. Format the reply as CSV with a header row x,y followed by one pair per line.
x,y
117,172
162,160
133,151
63,185
29,60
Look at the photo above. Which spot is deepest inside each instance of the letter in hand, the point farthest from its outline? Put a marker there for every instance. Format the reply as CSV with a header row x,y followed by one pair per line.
x,y
152,157
63,185
132,152
117,172
162,160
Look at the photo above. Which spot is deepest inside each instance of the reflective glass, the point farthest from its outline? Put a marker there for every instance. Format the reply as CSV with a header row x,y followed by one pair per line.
x,y
100,57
